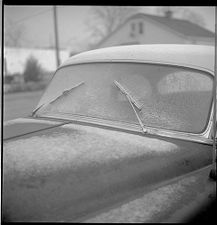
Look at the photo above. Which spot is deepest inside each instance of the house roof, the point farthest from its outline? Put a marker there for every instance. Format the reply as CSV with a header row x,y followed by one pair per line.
x,y
183,27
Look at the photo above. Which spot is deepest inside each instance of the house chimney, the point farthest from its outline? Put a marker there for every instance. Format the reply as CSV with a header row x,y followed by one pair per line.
x,y
168,14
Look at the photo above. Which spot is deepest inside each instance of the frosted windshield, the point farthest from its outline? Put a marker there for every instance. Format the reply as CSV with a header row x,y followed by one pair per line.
x,y
171,97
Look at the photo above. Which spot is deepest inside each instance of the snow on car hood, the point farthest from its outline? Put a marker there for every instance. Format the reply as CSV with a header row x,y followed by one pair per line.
x,y
74,146
22,126
70,171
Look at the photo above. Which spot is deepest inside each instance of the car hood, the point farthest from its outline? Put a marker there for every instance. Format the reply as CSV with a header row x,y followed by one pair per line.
x,y
21,126
70,171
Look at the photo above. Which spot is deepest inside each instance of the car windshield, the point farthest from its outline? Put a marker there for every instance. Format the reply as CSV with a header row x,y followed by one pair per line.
x,y
167,97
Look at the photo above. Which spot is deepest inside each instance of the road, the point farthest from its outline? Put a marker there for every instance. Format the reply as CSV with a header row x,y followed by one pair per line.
x,y
20,104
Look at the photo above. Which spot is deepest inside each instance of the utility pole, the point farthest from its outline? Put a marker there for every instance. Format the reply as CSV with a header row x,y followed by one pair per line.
x,y
56,36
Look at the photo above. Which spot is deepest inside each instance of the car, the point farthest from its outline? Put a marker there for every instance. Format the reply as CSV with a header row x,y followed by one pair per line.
x,y
121,134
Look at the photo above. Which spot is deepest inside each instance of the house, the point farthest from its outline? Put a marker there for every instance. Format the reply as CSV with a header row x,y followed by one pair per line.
x,y
150,29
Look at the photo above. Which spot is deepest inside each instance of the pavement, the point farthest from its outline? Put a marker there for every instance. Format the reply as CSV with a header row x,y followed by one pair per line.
x,y
20,104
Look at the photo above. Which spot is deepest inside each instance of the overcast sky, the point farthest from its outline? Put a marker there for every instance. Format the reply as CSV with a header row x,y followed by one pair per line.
x,y
73,31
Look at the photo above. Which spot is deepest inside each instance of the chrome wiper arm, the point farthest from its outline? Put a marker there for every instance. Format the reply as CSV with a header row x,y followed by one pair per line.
x,y
65,92
33,113
132,103
132,98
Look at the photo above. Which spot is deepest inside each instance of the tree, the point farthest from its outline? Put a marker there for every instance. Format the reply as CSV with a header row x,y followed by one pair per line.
x,y
182,13
105,19
33,70
14,33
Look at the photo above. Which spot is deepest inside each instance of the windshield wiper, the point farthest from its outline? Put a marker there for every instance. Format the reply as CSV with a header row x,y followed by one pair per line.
x,y
64,93
133,99
132,102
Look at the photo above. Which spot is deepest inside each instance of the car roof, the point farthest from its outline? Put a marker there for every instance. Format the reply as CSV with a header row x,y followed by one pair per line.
x,y
196,56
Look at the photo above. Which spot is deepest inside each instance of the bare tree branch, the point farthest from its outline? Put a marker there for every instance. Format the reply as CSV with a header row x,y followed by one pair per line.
x,y
105,19
13,33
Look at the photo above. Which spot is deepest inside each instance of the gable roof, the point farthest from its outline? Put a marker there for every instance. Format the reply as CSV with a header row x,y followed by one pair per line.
x,y
183,27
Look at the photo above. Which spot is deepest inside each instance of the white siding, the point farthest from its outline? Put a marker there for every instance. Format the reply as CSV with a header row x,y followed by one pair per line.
x,y
155,34
205,41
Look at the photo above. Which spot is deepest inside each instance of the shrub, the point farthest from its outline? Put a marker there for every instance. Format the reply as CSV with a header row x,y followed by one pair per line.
x,y
8,79
13,78
33,71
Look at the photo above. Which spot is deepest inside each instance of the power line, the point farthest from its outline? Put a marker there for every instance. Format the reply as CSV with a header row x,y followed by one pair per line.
x,y
29,17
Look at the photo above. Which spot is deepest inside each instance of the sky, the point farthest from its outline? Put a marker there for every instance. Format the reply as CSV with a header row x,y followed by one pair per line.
x,y
72,23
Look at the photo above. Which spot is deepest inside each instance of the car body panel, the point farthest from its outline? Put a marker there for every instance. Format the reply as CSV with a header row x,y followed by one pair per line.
x,y
69,171
22,126
194,56
178,200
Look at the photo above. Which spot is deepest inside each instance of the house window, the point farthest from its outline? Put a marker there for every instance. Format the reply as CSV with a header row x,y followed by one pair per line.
x,y
141,27
132,31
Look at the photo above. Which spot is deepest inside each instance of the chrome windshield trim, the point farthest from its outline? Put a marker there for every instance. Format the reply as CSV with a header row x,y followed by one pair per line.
x,y
131,127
